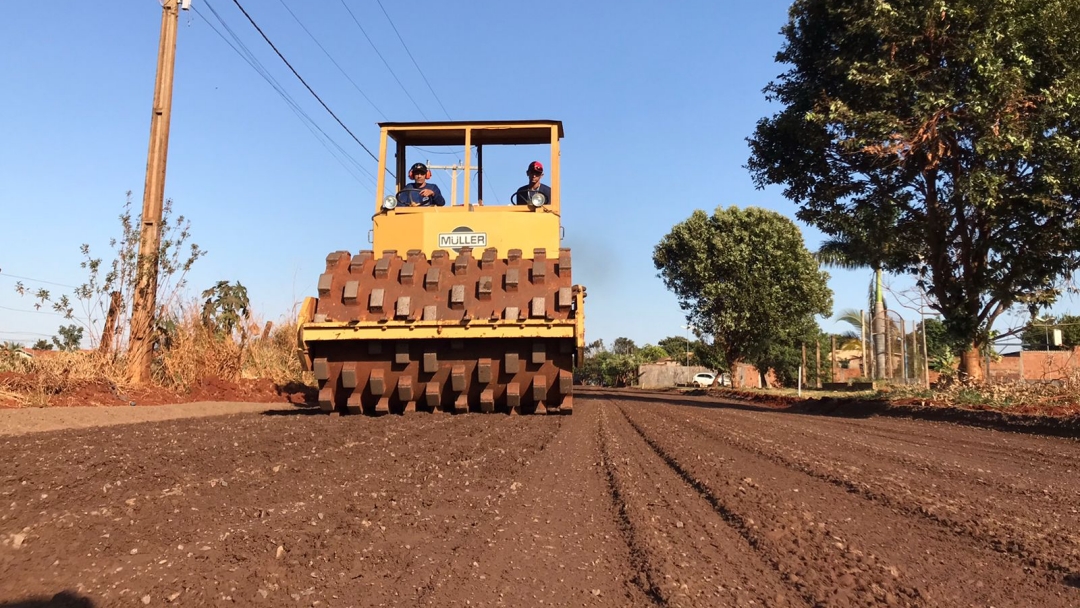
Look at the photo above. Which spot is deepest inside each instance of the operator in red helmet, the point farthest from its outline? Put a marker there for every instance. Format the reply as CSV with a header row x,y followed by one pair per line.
x,y
535,172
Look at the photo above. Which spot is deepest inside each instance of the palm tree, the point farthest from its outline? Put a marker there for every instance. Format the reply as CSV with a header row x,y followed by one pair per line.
x,y
842,252
853,338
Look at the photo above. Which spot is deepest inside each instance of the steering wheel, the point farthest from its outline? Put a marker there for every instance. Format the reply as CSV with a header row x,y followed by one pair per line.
x,y
516,197
411,195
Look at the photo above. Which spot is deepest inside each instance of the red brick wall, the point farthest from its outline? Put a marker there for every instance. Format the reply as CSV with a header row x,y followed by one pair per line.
x,y
1037,365
746,376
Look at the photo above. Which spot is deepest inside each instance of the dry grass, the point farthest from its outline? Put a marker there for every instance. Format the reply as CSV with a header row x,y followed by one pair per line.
x,y
35,381
1003,395
273,354
1051,397
194,352
190,353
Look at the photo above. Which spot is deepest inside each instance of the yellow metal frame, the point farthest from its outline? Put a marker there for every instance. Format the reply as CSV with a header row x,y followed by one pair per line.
x,y
303,319
504,226
506,129
579,320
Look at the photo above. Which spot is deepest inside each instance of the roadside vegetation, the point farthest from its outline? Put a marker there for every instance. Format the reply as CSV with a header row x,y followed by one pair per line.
x,y
1057,398
746,279
936,140
215,336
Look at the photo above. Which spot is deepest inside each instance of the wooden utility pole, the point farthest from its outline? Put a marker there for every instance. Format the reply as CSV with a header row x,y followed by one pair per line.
x,y
144,305
805,370
817,366
832,359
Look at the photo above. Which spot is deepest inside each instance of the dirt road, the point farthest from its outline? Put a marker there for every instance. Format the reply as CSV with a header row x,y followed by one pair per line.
x,y
633,501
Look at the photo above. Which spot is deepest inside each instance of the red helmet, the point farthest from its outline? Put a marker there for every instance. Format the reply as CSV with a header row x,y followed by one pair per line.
x,y
535,167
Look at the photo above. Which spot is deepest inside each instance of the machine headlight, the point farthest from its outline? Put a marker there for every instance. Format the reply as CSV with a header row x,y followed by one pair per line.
x,y
537,200
389,202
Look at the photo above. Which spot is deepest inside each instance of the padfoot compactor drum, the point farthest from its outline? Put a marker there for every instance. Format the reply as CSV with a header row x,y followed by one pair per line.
x,y
458,308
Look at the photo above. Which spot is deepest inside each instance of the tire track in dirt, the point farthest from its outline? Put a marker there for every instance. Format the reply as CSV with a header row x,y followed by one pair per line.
x,y
1025,478
994,523
929,564
695,554
555,538
1004,446
644,579
972,488
989,445
823,571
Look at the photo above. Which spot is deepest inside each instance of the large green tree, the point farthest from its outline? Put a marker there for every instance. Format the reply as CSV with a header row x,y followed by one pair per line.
x,y
784,356
609,368
939,139
745,277
941,347
623,346
676,347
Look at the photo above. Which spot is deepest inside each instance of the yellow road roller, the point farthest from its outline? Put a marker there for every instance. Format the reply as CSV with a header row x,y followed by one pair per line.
x,y
459,307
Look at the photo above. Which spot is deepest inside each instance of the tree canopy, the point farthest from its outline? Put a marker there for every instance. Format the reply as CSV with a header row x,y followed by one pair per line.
x,y
745,277
938,139
1039,335
676,347
617,366
623,346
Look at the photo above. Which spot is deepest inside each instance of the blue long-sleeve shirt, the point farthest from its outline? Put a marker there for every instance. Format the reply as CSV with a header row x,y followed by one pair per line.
x,y
435,200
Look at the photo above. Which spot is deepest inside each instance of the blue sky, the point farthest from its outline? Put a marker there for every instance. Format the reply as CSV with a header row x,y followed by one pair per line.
x,y
656,99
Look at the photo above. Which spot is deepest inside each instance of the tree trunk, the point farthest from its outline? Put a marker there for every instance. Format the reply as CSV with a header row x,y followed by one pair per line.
x,y
971,365
880,363
817,366
864,363
832,357
109,333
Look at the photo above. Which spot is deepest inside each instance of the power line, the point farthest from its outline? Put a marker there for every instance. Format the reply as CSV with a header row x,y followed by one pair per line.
x,y
15,276
304,82
37,312
422,75
241,49
436,95
332,60
430,151
392,73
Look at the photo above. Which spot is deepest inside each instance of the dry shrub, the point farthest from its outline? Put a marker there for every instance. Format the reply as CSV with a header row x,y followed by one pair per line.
x,y
190,351
1003,394
193,351
79,367
273,354
50,373
16,361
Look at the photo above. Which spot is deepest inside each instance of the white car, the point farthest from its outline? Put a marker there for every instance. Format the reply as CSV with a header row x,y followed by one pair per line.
x,y
703,379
